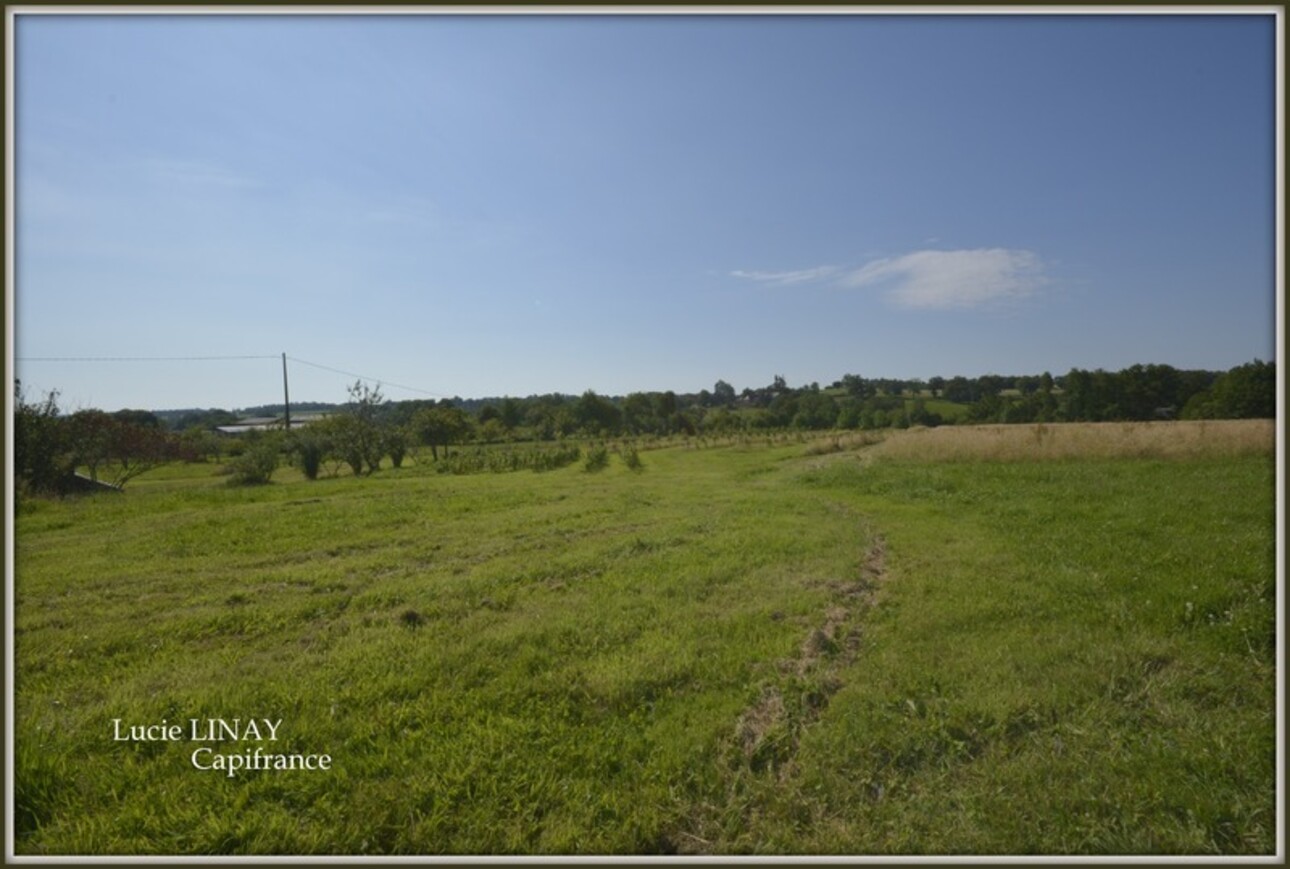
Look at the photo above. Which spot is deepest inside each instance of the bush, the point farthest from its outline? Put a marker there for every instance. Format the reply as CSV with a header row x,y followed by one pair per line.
x,y
632,459
597,459
309,449
396,445
255,465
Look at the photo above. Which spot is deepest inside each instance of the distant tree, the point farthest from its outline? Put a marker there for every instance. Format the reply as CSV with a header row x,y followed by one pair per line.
x,y
638,414
991,384
849,414
723,394
665,409
356,434
441,426
1027,385
1245,392
206,420
960,389
856,386
815,410
491,431
596,415
512,413
783,408
144,418
722,421
918,414
200,445
936,385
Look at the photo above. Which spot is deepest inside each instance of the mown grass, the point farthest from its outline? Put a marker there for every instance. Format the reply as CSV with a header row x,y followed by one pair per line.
x,y
1073,657
734,650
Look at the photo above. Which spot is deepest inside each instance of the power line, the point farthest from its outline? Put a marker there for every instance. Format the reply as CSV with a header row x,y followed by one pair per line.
x,y
135,358
222,359
365,377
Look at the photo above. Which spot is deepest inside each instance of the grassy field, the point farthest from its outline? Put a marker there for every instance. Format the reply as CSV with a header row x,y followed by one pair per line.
x,y
845,647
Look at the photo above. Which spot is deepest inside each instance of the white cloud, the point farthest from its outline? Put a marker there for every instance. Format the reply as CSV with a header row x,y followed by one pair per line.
x,y
784,279
953,278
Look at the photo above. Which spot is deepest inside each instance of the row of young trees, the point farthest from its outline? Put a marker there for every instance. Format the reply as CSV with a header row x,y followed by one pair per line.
x,y
50,447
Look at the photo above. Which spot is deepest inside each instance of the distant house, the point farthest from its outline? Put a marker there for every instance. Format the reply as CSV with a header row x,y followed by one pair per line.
x,y
268,423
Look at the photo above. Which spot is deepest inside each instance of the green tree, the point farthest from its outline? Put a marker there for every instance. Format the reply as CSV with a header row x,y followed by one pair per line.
x,y
491,431
596,415
665,408
815,410
91,436
440,426
723,394
144,418
638,414
1246,392
41,454
357,433
512,413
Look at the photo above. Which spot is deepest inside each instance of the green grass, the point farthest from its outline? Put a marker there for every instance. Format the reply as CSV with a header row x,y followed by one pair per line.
x,y
734,650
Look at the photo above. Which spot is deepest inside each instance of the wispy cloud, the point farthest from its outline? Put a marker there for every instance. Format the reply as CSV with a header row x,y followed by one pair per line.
x,y
932,279
941,279
784,279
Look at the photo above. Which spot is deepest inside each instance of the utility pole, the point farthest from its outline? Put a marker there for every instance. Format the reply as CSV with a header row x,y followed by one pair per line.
x,y
286,398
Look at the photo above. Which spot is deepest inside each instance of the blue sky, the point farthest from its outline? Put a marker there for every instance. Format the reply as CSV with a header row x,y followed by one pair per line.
x,y
498,204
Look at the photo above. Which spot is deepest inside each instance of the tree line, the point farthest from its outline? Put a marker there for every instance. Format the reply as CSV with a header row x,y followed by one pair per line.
x,y
50,447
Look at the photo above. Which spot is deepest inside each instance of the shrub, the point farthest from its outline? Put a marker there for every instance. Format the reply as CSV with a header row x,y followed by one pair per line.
x,y
597,459
396,445
255,465
308,449
632,459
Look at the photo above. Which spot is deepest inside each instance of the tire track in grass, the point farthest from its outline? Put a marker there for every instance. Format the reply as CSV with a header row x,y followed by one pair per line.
x,y
769,731
765,737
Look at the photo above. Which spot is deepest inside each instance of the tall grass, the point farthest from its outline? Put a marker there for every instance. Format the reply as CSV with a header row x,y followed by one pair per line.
x,y
1078,441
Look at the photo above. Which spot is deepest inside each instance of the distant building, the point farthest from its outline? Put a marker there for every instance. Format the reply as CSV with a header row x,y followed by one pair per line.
x,y
269,423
